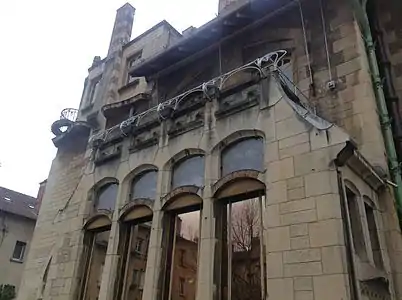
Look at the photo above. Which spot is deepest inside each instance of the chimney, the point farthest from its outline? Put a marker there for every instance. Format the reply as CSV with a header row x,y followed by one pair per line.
x,y
123,25
41,192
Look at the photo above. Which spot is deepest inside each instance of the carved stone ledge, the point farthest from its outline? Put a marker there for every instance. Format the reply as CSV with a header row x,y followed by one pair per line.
x,y
176,131
239,101
106,155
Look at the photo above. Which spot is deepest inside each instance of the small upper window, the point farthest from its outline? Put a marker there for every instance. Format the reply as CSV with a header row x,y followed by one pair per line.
x,y
19,251
144,186
94,90
132,61
244,155
138,245
181,285
107,197
189,172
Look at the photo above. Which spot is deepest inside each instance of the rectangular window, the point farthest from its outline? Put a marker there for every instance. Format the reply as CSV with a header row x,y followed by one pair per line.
x,y
138,245
356,224
19,251
373,232
242,264
181,285
94,90
181,238
134,245
132,61
182,255
96,244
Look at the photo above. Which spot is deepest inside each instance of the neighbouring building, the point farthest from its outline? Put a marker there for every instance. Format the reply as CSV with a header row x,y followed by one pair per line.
x,y
18,213
255,157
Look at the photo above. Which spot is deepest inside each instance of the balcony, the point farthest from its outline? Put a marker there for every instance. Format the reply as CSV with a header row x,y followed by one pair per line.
x,y
67,130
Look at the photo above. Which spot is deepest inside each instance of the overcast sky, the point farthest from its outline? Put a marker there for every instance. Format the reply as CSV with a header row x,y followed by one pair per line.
x,y
45,50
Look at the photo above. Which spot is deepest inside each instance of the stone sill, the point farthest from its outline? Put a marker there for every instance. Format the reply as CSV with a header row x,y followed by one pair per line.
x,y
18,261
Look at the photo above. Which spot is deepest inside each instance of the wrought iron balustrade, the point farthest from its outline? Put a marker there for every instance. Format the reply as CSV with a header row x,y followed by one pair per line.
x,y
69,114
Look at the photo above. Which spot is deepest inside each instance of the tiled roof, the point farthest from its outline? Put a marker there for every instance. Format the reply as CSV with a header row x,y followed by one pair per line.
x,y
18,204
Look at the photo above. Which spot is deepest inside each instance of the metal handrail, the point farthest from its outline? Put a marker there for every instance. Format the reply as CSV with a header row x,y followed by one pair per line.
x,y
69,114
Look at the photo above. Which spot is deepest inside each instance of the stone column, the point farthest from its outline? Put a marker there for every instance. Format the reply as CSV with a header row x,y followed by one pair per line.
x,y
153,269
112,256
205,262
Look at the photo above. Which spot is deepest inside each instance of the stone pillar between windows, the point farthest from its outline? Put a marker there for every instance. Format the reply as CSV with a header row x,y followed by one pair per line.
x,y
206,249
112,257
153,268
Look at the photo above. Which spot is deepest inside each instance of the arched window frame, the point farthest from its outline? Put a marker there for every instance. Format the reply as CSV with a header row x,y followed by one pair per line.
x,y
180,163
233,145
138,179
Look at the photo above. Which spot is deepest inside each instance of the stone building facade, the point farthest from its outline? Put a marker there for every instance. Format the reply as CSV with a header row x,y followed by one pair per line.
x,y
252,151
18,213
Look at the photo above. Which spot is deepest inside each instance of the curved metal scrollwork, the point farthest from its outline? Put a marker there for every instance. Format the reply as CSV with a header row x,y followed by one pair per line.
x,y
264,65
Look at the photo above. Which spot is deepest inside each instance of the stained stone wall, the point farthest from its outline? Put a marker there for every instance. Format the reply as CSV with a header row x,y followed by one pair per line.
x,y
303,227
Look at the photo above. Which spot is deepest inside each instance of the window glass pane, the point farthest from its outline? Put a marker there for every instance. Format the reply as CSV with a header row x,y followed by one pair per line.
x,y
185,255
356,224
136,261
107,197
97,262
189,172
246,154
243,266
19,250
145,186
373,231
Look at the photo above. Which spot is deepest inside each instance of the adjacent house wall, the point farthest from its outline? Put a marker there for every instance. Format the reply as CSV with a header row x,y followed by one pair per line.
x,y
17,228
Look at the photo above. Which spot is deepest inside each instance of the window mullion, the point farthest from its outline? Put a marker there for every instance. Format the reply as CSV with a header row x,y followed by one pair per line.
x,y
262,249
88,269
173,255
130,241
230,249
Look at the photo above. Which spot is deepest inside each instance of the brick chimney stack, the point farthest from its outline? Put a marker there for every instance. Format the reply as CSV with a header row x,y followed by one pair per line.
x,y
123,26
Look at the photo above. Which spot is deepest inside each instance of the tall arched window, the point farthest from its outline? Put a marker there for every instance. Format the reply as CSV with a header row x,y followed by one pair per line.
x,y
239,229
243,155
106,197
96,241
189,171
135,231
144,186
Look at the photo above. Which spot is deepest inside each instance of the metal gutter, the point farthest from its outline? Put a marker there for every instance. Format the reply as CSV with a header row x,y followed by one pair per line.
x,y
362,18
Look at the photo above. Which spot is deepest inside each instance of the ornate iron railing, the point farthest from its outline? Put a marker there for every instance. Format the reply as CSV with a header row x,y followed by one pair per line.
x,y
69,114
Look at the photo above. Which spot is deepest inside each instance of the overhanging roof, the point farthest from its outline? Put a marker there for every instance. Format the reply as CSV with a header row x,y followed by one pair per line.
x,y
222,27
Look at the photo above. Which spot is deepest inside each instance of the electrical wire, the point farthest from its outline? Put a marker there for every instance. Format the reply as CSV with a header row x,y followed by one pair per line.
x,y
324,26
305,42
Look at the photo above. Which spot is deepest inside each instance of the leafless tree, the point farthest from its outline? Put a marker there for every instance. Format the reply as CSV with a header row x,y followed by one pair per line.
x,y
246,276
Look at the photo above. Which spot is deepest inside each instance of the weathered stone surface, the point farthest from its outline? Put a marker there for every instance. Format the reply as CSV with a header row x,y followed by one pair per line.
x,y
297,205
298,230
330,287
298,256
326,233
299,242
299,217
303,269
303,284
278,239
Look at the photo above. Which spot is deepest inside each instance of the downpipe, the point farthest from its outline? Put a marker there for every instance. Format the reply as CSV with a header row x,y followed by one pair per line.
x,y
385,121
